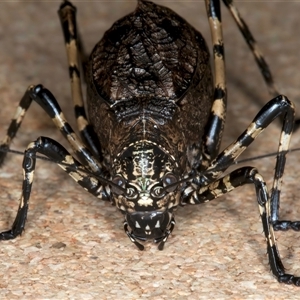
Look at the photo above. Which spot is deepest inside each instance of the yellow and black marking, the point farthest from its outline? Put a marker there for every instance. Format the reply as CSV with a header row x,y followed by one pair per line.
x,y
279,106
48,102
210,187
15,123
67,15
216,121
261,62
265,202
58,153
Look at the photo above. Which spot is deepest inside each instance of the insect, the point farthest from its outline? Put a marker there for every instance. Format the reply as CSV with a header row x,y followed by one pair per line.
x,y
155,121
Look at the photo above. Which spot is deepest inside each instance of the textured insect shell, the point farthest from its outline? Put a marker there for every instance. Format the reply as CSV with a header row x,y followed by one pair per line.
x,y
150,79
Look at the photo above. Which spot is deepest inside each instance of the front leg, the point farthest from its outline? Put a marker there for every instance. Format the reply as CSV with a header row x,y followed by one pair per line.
x,y
59,154
47,101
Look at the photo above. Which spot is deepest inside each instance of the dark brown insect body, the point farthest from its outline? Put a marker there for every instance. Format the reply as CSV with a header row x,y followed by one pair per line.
x,y
156,118
150,79
150,92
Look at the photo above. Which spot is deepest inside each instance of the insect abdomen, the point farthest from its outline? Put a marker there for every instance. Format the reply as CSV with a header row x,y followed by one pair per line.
x,y
149,76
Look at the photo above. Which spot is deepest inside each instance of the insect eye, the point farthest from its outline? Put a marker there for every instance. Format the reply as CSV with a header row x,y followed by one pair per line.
x,y
119,181
131,192
157,191
169,179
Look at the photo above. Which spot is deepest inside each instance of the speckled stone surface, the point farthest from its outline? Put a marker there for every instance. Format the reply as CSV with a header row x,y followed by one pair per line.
x,y
74,246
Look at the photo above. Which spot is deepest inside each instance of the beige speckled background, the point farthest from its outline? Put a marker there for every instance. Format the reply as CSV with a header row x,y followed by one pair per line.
x,y
217,250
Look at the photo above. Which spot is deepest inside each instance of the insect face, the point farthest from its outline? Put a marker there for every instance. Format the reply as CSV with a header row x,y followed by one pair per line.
x,y
144,172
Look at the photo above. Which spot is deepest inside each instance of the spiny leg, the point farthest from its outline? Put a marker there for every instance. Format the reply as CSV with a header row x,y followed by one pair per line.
x,y
216,121
74,47
240,177
58,153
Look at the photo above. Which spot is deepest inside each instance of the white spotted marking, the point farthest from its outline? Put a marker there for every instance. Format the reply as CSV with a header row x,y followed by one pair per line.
x,y
157,225
76,176
145,201
21,202
19,114
253,130
82,123
284,141
68,160
29,175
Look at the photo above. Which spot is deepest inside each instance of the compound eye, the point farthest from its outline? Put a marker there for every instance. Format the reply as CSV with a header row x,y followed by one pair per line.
x,y
169,179
131,192
157,192
119,181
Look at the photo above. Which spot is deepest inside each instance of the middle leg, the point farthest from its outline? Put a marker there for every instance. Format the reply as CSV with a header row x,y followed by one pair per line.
x,y
278,107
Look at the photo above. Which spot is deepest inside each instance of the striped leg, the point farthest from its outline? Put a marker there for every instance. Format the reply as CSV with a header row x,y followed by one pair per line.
x,y
258,56
48,102
58,153
15,124
217,116
206,186
263,66
220,187
249,175
74,49
278,107
215,189
265,203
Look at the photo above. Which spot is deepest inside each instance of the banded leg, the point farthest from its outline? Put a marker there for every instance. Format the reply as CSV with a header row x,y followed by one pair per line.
x,y
215,189
279,106
74,49
265,203
216,121
15,124
239,177
258,56
48,102
58,153
262,64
